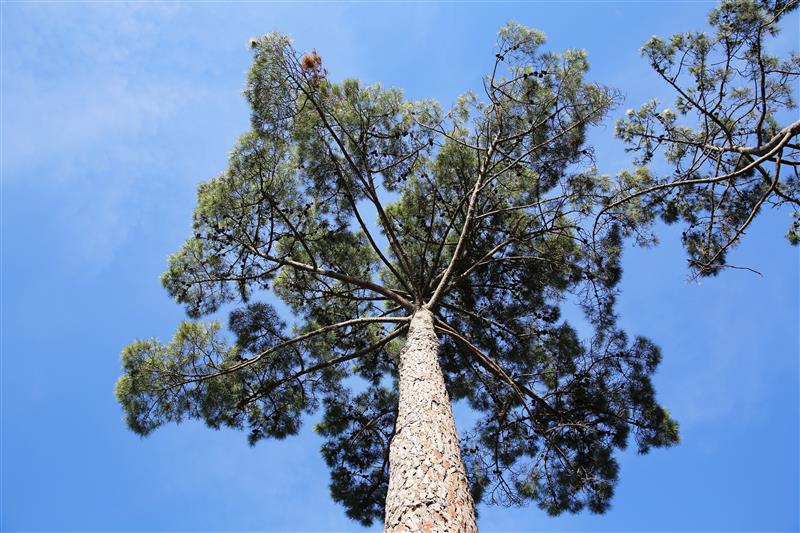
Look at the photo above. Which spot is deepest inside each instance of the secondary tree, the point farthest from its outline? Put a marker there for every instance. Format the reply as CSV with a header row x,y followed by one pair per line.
x,y
484,228
730,143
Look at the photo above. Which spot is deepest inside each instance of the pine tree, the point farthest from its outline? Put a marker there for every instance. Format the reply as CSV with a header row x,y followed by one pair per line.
x,y
742,152
485,228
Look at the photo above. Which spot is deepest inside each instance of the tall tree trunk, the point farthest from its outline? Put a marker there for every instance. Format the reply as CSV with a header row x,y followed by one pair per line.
x,y
428,488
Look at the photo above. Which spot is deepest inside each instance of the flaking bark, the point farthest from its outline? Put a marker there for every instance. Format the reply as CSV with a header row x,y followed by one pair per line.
x,y
428,488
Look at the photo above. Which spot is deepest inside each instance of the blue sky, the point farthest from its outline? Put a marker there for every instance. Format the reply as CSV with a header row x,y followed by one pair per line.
x,y
111,116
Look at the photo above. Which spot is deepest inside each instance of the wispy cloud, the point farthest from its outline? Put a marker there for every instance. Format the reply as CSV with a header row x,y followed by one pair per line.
x,y
53,121
80,102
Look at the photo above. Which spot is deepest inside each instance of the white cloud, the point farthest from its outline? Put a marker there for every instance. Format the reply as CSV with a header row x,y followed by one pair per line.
x,y
47,121
80,108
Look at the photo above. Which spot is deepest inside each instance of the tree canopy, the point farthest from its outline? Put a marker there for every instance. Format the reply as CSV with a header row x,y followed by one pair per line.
x,y
729,143
492,215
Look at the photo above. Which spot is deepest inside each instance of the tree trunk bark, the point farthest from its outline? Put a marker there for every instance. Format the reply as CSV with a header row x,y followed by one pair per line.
x,y
428,488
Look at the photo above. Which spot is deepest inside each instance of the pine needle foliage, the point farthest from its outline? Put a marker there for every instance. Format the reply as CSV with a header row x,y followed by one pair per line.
x,y
490,226
730,143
